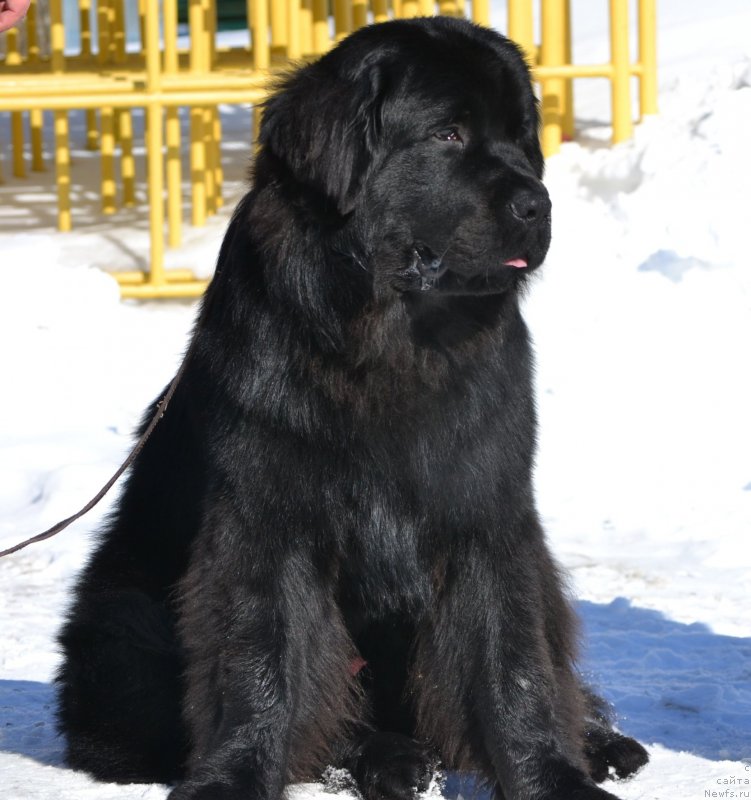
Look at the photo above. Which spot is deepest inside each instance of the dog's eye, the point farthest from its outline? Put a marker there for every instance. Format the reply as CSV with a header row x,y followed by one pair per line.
x,y
449,135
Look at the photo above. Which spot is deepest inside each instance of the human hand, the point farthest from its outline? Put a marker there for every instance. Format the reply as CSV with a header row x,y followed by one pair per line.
x,y
12,12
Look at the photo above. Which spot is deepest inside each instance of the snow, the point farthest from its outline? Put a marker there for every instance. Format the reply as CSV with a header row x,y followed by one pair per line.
x,y
642,324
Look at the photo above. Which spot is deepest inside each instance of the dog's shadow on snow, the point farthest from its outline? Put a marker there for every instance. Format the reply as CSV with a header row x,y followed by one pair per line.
x,y
677,685
681,686
27,722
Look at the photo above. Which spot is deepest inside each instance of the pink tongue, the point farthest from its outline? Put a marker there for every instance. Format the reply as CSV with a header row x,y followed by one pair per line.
x,y
515,262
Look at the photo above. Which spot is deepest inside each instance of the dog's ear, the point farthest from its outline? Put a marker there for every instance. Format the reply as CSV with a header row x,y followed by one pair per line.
x,y
323,128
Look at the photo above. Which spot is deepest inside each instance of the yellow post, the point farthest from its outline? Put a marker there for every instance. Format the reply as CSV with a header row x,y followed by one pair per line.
x,y
36,121
103,24
209,34
257,118
621,80
105,19
321,40
481,11
171,60
208,56
306,27
174,178
13,59
447,8
62,168
154,145
123,117
409,9
17,139
111,16
57,37
84,16
197,168
568,84
552,54
118,31
62,146
360,13
196,19
36,116
32,35
12,51
278,24
521,27
172,125
294,49
427,8
108,161
127,162
84,13
380,10
258,22
210,145
142,23
92,130
648,56
218,169
342,19
210,150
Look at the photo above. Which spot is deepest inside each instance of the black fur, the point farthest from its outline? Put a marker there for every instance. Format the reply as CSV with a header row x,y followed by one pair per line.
x,y
344,473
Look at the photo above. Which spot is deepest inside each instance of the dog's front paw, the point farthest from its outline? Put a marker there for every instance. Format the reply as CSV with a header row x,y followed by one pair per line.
x,y
391,766
616,752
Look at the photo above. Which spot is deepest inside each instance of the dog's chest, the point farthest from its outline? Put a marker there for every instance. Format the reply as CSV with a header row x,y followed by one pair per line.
x,y
382,567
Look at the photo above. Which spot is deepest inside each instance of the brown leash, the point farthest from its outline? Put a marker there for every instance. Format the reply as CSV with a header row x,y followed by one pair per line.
x,y
161,408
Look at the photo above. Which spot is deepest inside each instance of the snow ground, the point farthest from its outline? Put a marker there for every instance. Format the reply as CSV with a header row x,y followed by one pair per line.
x,y
642,321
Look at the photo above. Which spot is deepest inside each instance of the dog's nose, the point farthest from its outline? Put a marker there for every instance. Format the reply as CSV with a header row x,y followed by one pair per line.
x,y
530,205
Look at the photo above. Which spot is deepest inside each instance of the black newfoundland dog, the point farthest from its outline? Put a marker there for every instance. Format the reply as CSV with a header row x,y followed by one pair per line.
x,y
328,552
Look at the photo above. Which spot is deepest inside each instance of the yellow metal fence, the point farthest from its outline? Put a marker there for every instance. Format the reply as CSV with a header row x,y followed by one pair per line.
x,y
109,80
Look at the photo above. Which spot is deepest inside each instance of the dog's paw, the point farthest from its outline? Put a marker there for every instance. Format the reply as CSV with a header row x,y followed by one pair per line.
x,y
391,766
615,752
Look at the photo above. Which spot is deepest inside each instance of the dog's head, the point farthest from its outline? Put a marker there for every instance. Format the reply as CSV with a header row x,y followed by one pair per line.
x,y
416,141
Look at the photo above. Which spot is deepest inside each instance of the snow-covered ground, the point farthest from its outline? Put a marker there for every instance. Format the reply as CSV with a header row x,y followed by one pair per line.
x,y
642,320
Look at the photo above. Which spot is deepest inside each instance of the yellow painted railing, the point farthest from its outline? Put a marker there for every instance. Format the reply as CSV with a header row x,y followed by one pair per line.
x,y
554,70
109,81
